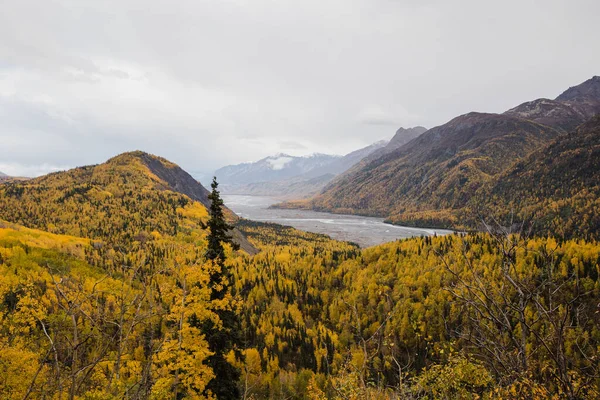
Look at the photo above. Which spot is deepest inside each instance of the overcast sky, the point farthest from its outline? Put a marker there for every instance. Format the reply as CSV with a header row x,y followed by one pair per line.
x,y
210,83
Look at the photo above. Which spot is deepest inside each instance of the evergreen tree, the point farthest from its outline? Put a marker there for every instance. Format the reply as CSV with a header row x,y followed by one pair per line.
x,y
226,337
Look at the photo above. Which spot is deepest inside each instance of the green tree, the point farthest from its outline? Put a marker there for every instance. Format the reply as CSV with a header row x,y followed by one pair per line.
x,y
223,336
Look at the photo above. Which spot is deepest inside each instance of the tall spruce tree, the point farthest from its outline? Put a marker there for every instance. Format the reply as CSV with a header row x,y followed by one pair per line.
x,y
224,337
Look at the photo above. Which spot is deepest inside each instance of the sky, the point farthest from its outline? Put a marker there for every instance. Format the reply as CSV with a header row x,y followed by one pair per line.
x,y
211,83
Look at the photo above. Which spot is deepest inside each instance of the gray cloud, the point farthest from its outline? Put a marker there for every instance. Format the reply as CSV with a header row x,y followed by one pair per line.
x,y
207,83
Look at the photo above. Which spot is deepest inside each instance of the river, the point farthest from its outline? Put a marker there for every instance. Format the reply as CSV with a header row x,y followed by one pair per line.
x,y
366,231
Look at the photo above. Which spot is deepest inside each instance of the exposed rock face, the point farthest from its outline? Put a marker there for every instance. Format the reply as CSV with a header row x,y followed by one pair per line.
x,y
554,113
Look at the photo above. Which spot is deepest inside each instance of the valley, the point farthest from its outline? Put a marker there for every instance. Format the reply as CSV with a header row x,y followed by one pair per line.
x,y
130,279
305,200
365,231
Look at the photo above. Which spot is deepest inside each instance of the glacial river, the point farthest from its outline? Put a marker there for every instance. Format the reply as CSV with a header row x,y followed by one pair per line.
x,y
366,231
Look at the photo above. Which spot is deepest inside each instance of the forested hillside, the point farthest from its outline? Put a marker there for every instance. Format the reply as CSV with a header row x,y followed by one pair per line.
x,y
122,202
438,171
555,190
321,319
417,318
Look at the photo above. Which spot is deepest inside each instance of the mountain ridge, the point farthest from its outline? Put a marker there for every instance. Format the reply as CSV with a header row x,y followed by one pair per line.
x,y
272,168
427,180
306,183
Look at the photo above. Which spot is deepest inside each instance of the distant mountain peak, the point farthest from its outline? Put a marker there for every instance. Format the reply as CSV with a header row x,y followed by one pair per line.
x,y
405,135
2,174
279,161
589,89
278,155
317,155
413,129
272,168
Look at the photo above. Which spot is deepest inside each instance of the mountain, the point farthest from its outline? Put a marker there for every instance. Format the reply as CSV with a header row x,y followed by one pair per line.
x,y
438,170
292,188
302,185
427,180
585,96
342,164
403,136
557,188
130,195
572,108
3,175
272,168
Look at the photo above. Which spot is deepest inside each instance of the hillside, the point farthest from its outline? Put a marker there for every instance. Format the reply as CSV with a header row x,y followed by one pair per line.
x,y
438,170
400,138
428,180
557,188
127,198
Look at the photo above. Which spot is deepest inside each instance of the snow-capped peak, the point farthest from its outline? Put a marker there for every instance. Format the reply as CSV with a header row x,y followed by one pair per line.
x,y
278,162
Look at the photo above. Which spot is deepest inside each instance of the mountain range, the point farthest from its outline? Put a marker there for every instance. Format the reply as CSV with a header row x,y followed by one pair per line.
x,y
272,168
434,178
287,176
